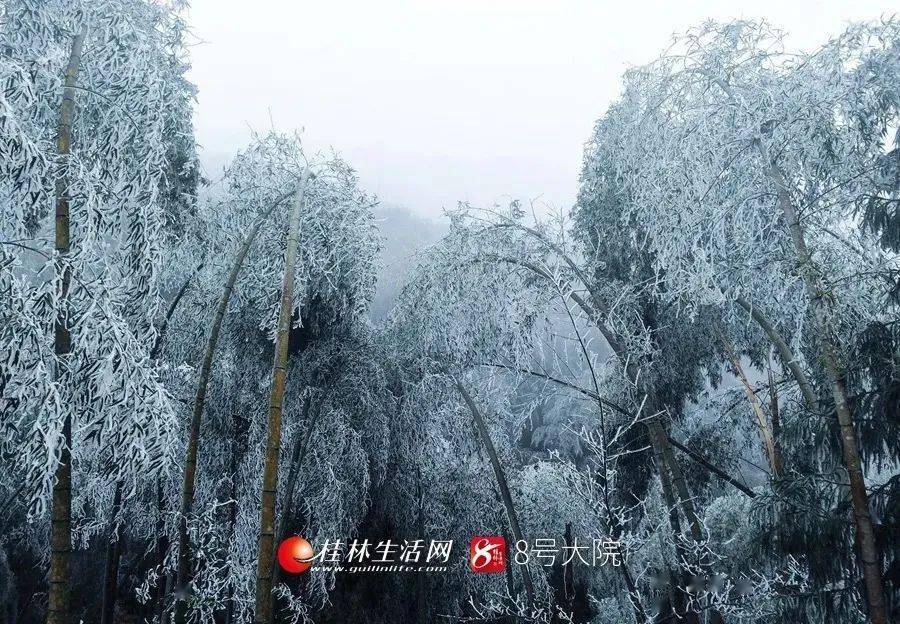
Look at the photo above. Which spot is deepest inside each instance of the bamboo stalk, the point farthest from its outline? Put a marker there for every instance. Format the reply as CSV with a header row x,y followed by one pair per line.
x,y
485,437
157,344
784,351
665,458
113,556
869,553
712,468
762,423
190,463
58,611
265,558
776,415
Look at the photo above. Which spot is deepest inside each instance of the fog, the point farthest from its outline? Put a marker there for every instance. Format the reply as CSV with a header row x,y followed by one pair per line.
x,y
437,101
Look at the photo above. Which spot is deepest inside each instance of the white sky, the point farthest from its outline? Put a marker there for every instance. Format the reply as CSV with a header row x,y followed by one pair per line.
x,y
435,101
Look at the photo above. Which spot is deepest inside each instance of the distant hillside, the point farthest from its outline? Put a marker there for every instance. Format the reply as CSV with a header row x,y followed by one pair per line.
x,y
403,233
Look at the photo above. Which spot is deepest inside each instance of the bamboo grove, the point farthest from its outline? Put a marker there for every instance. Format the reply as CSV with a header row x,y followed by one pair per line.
x,y
699,360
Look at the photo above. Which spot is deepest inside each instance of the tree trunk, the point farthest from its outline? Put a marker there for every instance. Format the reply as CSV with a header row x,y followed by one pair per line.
x,y
660,441
58,611
190,462
784,351
232,512
162,547
761,421
297,455
678,593
485,436
712,468
266,556
775,409
422,576
113,555
157,344
568,573
870,558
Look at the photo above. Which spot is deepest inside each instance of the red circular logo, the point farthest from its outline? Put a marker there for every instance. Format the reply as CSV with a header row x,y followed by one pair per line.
x,y
295,555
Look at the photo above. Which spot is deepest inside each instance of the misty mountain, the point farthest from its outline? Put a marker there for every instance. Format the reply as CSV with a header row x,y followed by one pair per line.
x,y
403,235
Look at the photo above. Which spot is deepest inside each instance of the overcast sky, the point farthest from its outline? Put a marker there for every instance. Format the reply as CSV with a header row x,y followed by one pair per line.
x,y
436,101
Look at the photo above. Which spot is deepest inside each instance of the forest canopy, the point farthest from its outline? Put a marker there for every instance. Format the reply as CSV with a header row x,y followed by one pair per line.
x,y
697,365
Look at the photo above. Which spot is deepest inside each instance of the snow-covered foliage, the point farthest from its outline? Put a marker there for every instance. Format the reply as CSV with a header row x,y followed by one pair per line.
x,y
690,149
747,176
696,367
119,176
335,406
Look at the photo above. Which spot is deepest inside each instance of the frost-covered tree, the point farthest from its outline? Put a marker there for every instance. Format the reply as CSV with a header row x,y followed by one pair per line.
x,y
84,138
723,294
447,325
748,170
242,229
494,297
